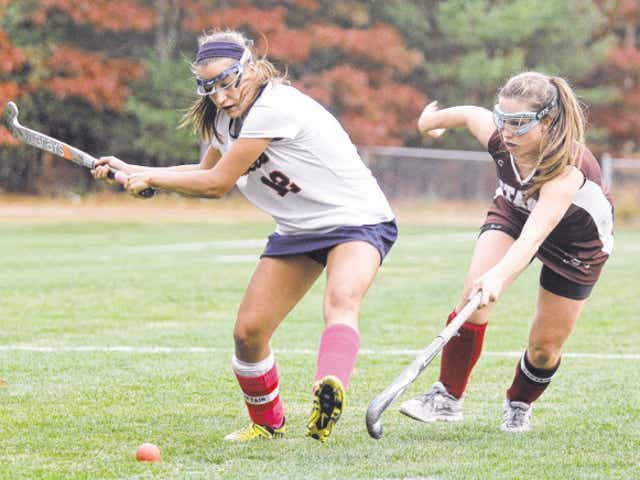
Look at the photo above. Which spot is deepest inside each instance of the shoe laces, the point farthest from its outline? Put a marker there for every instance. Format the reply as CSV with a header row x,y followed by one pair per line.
x,y
516,414
437,395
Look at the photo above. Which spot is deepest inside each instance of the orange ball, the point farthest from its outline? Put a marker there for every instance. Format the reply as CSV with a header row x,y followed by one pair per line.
x,y
148,452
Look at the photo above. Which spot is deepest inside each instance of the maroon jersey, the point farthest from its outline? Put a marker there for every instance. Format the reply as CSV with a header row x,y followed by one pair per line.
x,y
580,244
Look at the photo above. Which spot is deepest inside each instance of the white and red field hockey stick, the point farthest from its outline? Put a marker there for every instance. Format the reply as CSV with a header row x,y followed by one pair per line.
x,y
61,149
380,403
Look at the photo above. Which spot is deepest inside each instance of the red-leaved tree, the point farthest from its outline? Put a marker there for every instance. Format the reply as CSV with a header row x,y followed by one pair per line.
x,y
364,82
621,118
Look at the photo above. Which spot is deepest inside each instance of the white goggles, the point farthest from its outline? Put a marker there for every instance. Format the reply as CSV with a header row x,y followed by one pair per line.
x,y
228,78
520,122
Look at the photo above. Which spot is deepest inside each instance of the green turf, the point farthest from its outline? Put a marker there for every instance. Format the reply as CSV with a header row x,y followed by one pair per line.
x,y
80,414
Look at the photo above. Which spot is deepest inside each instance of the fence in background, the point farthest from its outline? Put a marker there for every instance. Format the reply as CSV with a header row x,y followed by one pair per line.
x,y
404,172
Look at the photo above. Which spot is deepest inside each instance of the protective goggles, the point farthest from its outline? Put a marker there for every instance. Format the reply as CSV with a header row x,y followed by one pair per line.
x,y
226,79
520,122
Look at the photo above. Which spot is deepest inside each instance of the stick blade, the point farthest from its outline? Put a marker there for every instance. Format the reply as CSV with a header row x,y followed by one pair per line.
x,y
10,112
374,426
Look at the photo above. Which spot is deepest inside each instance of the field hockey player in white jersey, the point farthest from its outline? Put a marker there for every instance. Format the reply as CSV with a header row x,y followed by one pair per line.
x,y
291,158
551,204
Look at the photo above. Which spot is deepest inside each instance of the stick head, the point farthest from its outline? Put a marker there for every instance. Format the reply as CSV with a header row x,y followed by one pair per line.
x,y
375,430
10,114
374,426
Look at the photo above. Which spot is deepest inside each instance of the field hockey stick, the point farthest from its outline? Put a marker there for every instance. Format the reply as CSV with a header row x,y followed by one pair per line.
x,y
61,149
380,403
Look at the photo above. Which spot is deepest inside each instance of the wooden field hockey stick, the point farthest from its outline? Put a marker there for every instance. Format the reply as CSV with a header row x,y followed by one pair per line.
x,y
61,149
380,403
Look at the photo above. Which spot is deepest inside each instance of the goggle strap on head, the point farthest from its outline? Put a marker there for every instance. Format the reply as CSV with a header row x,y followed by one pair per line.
x,y
544,111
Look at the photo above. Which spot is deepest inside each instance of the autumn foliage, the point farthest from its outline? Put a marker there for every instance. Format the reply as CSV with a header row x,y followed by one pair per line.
x,y
113,15
357,66
621,117
100,81
365,89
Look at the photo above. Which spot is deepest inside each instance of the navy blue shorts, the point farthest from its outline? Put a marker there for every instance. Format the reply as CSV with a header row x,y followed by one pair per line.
x,y
317,245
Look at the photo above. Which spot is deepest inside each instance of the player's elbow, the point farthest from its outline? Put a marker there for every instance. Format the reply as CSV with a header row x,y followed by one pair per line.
x,y
217,189
214,192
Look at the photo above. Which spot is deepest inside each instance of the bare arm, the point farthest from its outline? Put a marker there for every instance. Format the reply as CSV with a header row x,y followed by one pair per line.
x,y
554,200
211,182
208,160
478,120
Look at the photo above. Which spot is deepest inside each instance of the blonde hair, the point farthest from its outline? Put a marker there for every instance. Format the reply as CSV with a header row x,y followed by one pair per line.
x,y
203,113
563,138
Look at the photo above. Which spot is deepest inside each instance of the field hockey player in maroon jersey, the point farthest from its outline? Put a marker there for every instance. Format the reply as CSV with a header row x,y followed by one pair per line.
x,y
550,203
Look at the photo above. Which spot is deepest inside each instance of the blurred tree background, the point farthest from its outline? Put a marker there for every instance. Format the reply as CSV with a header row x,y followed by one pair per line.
x,y
112,77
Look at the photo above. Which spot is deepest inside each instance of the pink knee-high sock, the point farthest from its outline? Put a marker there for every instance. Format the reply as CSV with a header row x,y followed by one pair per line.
x,y
337,352
259,384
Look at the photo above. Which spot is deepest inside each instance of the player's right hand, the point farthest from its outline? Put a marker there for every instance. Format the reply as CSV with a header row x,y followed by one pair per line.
x,y
101,168
426,117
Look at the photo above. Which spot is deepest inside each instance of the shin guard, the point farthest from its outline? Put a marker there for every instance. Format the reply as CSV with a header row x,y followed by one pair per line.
x,y
259,384
529,382
460,355
339,345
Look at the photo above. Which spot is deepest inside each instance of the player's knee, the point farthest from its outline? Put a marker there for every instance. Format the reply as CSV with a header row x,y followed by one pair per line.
x,y
543,355
249,336
338,301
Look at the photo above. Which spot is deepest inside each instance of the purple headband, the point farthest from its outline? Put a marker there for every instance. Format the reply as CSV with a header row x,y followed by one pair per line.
x,y
219,50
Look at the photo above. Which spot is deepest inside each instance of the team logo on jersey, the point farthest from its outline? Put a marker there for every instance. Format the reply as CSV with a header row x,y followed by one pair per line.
x,y
515,196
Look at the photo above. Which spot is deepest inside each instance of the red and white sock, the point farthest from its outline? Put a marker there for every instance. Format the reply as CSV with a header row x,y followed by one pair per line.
x,y
529,382
460,355
259,383
339,345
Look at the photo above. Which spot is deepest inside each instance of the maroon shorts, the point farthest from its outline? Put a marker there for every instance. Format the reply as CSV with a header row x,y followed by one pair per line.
x,y
572,255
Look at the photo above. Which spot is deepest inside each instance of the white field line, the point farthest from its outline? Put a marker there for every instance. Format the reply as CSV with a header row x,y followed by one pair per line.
x,y
197,246
259,243
282,351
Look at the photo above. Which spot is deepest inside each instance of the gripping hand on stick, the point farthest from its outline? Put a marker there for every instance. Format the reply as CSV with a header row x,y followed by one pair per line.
x,y
135,183
490,286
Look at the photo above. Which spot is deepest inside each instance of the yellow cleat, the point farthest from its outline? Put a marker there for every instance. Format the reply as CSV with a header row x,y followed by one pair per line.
x,y
328,404
255,431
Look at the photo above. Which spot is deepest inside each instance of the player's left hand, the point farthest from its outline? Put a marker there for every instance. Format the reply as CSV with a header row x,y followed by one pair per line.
x,y
491,284
136,183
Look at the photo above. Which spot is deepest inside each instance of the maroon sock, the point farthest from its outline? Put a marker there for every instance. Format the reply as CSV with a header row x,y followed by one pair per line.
x,y
529,382
460,355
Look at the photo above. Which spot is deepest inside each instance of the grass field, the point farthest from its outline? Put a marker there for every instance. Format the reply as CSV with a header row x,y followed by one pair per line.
x,y
114,334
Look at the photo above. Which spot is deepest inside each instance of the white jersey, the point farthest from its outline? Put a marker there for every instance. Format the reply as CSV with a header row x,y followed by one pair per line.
x,y
310,178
